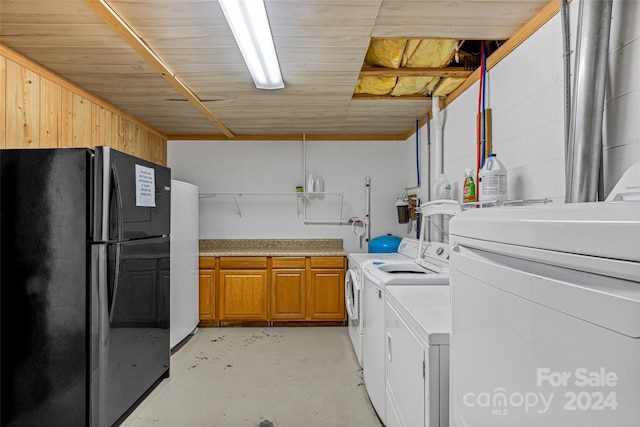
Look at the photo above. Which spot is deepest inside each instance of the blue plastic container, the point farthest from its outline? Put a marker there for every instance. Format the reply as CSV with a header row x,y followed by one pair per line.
x,y
384,244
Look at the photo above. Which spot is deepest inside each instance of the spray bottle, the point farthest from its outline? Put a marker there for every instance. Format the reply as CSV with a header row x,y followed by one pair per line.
x,y
469,187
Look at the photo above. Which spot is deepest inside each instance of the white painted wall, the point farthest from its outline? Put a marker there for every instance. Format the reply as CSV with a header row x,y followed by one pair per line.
x,y
277,167
525,92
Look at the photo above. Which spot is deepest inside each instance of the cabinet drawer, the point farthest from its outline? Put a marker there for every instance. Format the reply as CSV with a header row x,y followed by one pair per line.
x,y
243,262
288,262
207,262
327,262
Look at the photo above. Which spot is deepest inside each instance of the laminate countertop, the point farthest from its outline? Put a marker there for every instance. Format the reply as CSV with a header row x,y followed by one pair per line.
x,y
271,247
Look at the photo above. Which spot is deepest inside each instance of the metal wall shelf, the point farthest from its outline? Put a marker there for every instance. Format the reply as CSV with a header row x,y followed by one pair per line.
x,y
525,202
205,195
304,196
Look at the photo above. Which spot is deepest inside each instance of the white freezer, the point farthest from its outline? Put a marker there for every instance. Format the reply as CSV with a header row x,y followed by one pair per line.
x,y
184,261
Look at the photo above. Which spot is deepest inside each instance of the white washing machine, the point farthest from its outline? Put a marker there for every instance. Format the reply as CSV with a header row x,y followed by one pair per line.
x,y
417,327
546,314
430,269
407,250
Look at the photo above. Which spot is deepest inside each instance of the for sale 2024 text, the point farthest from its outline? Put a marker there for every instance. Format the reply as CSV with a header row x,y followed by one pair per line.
x,y
584,399
586,390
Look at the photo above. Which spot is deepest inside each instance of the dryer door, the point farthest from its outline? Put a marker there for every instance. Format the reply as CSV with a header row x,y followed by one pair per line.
x,y
352,294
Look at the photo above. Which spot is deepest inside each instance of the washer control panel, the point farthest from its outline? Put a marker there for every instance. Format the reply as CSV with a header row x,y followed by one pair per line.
x,y
434,255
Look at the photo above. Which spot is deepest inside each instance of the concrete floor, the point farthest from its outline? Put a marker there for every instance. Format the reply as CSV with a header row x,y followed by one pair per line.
x,y
280,376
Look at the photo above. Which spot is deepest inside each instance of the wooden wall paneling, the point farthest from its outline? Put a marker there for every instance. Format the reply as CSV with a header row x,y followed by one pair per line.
x,y
129,130
3,100
117,131
50,114
38,108
142,142
82,126
134,143
66,118
23,111
155,147
100,126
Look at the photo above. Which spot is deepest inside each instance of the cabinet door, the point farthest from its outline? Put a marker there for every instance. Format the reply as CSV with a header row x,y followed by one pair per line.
x,y
207,294
288,294
243,295
326,294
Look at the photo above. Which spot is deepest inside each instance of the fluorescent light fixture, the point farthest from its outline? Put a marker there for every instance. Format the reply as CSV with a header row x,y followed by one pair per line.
x,y
250,27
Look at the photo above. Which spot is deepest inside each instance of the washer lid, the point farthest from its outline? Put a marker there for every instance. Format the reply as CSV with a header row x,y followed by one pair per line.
x,y
360,257
601,229
384,273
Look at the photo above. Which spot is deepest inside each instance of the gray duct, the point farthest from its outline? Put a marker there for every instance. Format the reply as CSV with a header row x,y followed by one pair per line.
x,y
584,149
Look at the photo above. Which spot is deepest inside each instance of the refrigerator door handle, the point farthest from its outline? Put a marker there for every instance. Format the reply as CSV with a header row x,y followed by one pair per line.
x,y
113,287
116,202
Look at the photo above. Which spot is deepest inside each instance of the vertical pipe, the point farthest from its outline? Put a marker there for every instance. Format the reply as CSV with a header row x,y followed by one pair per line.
x,y
417,154
566,56
439,158
585,133
367,219
428,230
437,125
304,162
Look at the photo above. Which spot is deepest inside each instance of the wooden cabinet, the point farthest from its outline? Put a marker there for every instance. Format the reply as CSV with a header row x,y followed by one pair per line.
x,y
288,288
272,289
326,289
243,295
208,289
243,288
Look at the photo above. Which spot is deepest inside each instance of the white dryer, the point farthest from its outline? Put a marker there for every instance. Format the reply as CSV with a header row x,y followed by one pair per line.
x,y
354,281
417,326
429,268
377,276
546,314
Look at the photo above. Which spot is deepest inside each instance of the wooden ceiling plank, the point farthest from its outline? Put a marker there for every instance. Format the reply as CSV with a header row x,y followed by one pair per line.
x,y
112,19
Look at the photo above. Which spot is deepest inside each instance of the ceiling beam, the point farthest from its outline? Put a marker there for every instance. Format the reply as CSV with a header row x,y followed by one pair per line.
x,y
117,24
361,96
293,137
415,72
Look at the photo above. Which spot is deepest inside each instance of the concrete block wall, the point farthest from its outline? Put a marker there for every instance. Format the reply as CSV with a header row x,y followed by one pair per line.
x,y
277,167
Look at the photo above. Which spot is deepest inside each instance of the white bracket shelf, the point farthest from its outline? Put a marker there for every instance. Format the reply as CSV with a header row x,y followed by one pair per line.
x,y
304,196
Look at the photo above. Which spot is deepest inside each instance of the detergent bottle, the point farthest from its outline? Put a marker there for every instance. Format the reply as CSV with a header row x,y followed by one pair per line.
x,y
493,180
442,188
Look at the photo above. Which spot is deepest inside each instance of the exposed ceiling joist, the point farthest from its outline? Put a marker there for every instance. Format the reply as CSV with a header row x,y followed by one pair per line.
x,y
415,72
118,25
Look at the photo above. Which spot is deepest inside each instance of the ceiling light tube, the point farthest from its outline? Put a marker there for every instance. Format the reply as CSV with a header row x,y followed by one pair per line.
x,y
250,26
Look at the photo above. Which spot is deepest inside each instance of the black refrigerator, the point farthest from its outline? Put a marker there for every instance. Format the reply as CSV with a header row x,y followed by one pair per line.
x,y
84,285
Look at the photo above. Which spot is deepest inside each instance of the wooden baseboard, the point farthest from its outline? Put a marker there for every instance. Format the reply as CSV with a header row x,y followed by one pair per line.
x,y
266,323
